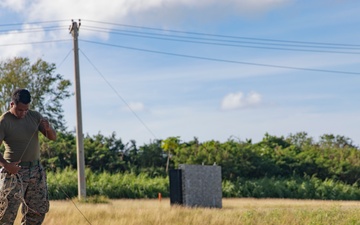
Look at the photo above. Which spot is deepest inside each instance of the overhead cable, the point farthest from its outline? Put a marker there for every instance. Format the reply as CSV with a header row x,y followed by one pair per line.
x,y
224,36
223,60
219,43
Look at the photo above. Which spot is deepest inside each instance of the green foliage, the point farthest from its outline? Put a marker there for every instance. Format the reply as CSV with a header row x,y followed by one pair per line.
x,y
47,89
100,186
58,154
170,145
152,159
295,188
103,154
63,185
292,167
296,155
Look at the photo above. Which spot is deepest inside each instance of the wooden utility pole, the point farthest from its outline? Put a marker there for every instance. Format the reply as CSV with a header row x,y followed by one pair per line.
x,y
74,28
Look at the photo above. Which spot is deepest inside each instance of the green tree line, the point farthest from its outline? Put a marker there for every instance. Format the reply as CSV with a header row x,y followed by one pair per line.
x,y
280,167
332,157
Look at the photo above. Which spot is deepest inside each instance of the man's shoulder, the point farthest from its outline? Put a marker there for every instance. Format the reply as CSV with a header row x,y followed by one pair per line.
x,y
5,115
33,113
5,119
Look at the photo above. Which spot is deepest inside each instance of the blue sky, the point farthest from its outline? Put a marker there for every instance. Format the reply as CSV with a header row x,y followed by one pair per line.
x,y
250,83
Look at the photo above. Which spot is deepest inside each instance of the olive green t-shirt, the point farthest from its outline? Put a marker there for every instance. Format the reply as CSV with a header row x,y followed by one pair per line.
x,y
20,136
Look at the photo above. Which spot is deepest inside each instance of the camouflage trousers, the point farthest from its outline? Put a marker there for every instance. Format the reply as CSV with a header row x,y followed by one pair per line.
x,y
30,192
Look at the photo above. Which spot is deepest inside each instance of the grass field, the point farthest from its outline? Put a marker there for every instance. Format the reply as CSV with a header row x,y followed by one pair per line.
x,y
234,211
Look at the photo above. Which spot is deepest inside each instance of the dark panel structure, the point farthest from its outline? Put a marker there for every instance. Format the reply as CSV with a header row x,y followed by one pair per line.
x,y
175,187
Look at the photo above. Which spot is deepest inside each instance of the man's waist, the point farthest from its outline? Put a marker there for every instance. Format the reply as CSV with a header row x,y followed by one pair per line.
x,y
30,163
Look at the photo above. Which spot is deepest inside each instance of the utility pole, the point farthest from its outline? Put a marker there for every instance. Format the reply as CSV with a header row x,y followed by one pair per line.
x,y
74,28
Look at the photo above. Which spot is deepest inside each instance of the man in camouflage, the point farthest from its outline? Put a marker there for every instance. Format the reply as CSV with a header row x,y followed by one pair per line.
x,y
22,177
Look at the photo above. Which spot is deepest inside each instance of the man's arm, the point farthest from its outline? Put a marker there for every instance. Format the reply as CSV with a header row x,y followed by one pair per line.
x,y
47,130
11,167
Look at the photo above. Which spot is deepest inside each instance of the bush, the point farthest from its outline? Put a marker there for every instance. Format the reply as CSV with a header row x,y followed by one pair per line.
x,y
295,188
63,184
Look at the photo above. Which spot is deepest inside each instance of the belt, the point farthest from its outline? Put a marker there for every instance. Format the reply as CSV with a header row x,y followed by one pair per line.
x,y
30,163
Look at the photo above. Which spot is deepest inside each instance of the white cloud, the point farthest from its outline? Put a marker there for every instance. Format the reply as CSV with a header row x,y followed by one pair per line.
x,y
139,10
17,42
16,5
135,106
240,100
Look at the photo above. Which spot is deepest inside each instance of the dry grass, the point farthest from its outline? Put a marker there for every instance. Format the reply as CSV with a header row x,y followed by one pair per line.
x,y
234,211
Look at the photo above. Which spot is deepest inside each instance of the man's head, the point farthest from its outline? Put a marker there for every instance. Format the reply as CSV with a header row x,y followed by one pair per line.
x,y
20,102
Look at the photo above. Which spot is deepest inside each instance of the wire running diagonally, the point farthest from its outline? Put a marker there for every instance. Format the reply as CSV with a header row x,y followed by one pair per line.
x,y
122,99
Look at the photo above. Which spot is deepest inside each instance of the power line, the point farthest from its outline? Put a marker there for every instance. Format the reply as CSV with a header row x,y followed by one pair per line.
x,y
32,30
224,60
229,45
264,40
34,22
183,39
195,33
33,43
140,33
199,39
223,36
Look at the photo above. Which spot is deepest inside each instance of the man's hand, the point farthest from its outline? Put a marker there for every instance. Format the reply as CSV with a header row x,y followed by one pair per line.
x,y
12,167
47,130
44,123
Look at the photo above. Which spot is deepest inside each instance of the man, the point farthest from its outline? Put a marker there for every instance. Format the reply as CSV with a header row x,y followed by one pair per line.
x,y
21,172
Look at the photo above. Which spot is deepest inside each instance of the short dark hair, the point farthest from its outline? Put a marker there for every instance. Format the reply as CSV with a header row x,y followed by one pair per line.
x,y
21,95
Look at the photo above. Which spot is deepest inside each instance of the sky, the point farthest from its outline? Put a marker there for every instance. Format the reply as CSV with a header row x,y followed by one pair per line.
x,y
214,70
